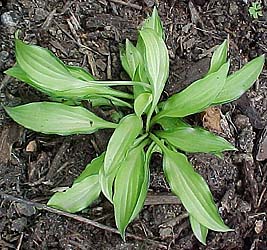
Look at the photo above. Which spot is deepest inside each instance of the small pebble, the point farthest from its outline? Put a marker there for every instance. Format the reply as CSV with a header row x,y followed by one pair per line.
x,y
258,226
24,209
19,224
9,19
4,56
31,147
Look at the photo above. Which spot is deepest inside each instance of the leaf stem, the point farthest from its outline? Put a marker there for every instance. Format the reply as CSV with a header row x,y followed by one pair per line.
x,y
158,141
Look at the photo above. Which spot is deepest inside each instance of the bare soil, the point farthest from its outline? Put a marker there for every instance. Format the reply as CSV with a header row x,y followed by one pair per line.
x,y
89,33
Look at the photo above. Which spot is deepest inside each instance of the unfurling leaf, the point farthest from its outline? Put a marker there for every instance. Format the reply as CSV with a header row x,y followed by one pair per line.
x,y
130,187
156,61
219,57
198,96
106,182
132,62
78,197
192,190
142,102
57,118
130,58
195,140
199,230
154,23
123,137
239,82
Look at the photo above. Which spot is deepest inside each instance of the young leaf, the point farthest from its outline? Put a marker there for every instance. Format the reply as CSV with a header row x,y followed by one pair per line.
x,y
130,58
154,23
219,57
106,182
92,168
240,81
130,180
142,102
157,62
122,138
192,190
57,118
78,197
132,62
199,230
198,96
195,140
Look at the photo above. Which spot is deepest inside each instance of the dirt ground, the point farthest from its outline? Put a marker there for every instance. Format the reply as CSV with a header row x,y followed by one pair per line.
x,y
89,33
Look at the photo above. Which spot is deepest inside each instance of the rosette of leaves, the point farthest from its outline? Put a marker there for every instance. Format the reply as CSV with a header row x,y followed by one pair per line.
x,y
121,173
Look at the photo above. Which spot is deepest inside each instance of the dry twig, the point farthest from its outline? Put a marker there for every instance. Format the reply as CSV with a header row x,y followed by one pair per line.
x,y
79,218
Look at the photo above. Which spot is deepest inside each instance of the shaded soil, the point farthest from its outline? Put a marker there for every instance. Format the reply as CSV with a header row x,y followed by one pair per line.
x,y
89,34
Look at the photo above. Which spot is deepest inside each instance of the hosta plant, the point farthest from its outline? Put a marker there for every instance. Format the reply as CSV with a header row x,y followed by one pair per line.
x,y
149,125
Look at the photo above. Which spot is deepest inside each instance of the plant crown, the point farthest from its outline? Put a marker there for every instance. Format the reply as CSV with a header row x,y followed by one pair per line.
x,y
121,173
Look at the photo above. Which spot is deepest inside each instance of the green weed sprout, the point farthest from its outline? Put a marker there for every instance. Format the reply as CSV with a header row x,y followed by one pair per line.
x,y
255,10
121,173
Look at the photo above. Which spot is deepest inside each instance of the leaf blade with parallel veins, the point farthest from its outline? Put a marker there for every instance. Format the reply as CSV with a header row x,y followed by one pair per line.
x,y
77,197
199,230
123,137
192,190
198,96
239,82
195,140
128,188
57,118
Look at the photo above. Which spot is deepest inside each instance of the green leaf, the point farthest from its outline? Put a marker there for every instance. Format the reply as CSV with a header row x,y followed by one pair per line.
x,y
18,73
112,101
240,81
132,62
130,58
49,74
80,73
130,183
57,118
172,122
195,140
156,61
123,137
78,197
106,182
92,168
154,23
192,190
44,68
199,230
142,102
198,96
219,57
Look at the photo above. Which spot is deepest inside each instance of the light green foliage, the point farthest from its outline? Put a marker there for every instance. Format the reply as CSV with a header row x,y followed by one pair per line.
x,y
57,118
199,230
145,125
255,10
190,140
130,187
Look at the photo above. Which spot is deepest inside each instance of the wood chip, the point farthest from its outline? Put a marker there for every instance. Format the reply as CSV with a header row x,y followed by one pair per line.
x,y
10,134
211,119
31,147
262,146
